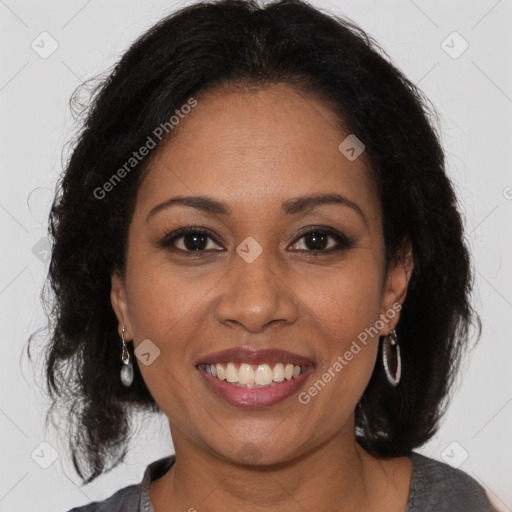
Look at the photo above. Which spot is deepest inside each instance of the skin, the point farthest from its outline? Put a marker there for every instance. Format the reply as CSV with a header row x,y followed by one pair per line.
x,y
254,150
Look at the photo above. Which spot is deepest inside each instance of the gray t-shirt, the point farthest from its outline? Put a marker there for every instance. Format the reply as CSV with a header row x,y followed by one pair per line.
x,y
435,487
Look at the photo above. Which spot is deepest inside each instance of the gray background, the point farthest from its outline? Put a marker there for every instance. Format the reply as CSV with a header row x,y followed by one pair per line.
x,y
473,93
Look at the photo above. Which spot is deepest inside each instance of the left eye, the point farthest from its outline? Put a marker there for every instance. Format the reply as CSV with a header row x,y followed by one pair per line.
x,y
317,240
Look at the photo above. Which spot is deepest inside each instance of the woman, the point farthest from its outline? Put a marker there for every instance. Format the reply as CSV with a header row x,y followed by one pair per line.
x,y
256,236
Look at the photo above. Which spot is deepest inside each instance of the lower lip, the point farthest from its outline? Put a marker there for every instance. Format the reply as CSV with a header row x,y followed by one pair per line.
x,y
255,397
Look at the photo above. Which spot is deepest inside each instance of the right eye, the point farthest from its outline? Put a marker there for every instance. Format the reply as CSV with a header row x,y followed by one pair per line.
x,y
192,241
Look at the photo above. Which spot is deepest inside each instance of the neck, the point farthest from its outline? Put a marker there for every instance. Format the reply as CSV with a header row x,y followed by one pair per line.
x,y
339,475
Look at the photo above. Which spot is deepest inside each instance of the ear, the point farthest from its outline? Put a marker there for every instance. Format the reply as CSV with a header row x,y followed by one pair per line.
x,y
395,290
120,304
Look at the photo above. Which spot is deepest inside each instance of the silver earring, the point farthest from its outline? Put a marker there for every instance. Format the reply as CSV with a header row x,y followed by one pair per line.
x,y
396,364
127,369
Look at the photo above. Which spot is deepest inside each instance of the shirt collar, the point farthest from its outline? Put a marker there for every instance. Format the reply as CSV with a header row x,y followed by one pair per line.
x,y
155,470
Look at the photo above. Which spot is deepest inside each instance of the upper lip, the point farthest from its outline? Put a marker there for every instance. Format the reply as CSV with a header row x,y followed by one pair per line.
x,y
254,356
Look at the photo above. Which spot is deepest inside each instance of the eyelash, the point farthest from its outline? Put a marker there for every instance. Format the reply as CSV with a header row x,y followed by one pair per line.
x,y
344,242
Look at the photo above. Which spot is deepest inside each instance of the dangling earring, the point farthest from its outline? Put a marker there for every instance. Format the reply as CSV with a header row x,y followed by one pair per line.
x,y
127,369
396,363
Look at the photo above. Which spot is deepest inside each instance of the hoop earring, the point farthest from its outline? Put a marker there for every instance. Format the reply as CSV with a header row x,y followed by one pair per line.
x,y
127,369
396,359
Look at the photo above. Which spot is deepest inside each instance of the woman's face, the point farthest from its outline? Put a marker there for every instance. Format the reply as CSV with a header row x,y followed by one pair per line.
x,y
256,280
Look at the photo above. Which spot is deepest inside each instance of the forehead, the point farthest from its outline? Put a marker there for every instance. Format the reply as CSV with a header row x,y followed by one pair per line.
x,y
255,148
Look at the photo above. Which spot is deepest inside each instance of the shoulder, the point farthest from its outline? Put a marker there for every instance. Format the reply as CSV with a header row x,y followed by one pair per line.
x,y
440,487
132,498
124,500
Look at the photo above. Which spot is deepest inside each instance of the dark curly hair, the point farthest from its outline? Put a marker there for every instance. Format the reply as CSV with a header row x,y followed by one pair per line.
x,y
238,43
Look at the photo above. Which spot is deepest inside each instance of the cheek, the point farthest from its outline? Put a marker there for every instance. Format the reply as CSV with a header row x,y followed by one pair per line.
x,y
345,300
163,299
171,308
346,308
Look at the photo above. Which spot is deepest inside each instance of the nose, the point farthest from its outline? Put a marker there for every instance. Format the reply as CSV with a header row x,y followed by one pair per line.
x,y
254,295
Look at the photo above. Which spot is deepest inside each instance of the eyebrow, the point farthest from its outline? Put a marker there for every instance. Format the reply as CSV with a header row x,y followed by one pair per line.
x,y
291,206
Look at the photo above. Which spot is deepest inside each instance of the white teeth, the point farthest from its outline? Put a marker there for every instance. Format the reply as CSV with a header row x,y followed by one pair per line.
x,y
221,373
248,375
278,372
288,371
263,375
231,373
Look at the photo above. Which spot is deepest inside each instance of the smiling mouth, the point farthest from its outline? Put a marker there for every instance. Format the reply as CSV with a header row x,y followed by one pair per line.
x,y
246,375
249,377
